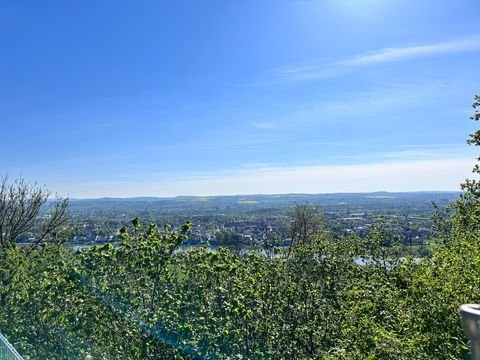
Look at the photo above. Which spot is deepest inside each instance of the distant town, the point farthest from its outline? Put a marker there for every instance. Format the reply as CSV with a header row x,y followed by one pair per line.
x,y
250,221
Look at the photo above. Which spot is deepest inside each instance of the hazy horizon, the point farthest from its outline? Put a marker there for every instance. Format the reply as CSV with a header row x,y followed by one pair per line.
x,y
253,195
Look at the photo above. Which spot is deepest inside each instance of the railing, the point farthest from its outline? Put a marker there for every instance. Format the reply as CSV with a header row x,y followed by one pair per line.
x,y
7,351
471,325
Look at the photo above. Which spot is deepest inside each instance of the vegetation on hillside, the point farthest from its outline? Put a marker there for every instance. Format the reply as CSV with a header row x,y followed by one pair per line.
x,y
327,296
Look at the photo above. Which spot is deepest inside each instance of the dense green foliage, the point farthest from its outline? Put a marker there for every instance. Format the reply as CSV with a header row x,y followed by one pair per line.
x,y
144,300
328,296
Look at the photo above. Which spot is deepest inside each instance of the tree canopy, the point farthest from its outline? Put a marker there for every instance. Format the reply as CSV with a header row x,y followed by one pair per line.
x,y
328,297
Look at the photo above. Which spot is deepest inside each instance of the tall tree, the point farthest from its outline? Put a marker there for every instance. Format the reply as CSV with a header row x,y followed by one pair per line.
x,y
306,223
472,185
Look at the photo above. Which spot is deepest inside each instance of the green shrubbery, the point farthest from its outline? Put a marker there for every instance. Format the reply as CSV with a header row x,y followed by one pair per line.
x,y
326,297
144,300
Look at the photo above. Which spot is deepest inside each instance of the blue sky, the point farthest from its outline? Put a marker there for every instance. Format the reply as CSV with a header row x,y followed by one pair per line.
x,y
127,98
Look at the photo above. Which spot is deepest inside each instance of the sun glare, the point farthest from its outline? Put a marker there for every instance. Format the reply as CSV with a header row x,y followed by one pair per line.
x,y
363,7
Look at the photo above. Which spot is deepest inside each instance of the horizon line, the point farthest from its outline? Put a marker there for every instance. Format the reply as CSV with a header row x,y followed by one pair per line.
x,y
261,194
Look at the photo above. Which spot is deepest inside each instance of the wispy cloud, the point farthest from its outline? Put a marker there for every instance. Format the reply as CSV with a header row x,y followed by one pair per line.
x,y
267,125
433,174
364,105
428,152
406,53
318,69
419,168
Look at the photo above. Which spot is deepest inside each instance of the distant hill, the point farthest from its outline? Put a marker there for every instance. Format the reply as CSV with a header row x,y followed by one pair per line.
x,y
251,202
